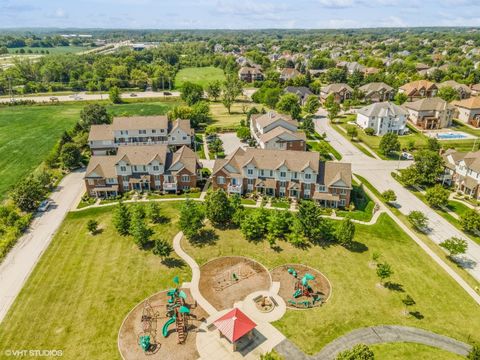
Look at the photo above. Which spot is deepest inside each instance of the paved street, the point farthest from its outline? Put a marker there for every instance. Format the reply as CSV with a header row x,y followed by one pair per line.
x,y
377,172
21,260
89,97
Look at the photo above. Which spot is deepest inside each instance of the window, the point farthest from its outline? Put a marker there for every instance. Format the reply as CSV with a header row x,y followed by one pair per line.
x,y
283,174
123,168
321,188
262,172
250,171
186,187
185,178
154,131
184,138
91,182
271,173
220,180
250,181
156,168
125,178
173,138
307,186
156,177
308,176
144,168
295,175
283,184
111,181
142,131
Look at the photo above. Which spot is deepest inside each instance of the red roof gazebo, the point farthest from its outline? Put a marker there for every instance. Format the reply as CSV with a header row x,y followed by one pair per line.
x,y
234,325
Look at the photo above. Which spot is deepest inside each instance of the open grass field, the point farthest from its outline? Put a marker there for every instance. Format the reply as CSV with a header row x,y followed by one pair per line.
x,y
53,50
394,351
357,300
221,117
198,75
27,133
84,286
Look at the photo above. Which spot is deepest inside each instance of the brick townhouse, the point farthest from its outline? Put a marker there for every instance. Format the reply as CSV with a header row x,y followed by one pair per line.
x,y
284,173
142,168
139,130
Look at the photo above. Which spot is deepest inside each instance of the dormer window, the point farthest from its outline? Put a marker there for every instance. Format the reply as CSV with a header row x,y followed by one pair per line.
x,y
308,176
250,171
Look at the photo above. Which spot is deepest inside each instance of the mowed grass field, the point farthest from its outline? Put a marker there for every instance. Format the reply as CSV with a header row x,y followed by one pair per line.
x,y
393,351
84,286
357,300
198,75
28,133
52,50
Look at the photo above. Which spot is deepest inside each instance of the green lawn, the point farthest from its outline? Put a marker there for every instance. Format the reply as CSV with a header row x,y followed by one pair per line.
x,y
199,75
53,50
357,301
322,146
221,117
397,351
27,133
426,240
84,286
363,206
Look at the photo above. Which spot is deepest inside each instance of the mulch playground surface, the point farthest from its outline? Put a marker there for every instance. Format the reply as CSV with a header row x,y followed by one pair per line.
x,y
226,280
287,282
128,339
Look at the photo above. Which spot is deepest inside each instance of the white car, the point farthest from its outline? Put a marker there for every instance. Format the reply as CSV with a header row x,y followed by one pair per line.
x,y
407,156
44,205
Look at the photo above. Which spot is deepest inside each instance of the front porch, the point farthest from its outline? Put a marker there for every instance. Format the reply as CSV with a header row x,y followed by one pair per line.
x,y
104,192
325,199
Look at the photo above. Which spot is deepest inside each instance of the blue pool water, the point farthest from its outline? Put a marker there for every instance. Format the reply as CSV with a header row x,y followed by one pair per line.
x,y
451,136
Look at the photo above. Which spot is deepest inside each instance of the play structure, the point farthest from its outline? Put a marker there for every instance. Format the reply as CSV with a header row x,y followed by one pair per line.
x,y
303,296
177,312
233,275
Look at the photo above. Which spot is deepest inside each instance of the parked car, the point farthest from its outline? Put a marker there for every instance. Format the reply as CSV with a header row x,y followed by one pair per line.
x,y
407,156
167,93
133,95
44,205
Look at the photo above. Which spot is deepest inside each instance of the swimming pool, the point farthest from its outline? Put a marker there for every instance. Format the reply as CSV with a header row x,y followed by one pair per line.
x,y
451,136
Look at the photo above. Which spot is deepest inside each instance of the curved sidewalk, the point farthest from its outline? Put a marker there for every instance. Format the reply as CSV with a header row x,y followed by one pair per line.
x,y
376,335
388,334
194,290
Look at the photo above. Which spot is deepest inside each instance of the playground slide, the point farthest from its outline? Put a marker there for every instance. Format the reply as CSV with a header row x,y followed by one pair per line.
x,y
166,325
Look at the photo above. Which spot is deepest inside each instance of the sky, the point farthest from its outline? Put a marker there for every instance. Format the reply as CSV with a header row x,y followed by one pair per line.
x,y
237,14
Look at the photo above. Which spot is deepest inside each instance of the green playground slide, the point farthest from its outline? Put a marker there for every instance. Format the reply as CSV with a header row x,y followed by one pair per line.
x,y
166,325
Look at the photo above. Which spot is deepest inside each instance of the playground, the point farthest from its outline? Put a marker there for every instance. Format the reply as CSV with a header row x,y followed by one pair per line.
x,y
301,287
163,326
226,280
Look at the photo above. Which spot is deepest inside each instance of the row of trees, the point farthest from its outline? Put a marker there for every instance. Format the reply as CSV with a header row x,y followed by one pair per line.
x,y
301,229
137,222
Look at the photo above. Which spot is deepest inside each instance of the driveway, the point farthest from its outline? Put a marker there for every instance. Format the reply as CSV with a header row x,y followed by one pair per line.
x,y
21,260
90,97
378,173
231,142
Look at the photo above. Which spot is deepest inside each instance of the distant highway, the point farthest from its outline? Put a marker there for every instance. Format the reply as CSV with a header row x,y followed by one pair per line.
x,y
90,97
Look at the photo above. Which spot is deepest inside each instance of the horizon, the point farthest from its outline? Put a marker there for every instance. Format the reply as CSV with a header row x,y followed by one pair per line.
x,y
231,15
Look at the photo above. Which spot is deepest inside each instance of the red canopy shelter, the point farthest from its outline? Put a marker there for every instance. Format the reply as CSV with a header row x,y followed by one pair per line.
x,y
234,324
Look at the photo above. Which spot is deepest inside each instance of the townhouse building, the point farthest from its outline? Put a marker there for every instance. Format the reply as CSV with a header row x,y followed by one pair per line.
x,y
142,168
277,131
462,169
383,117
139,130
284,173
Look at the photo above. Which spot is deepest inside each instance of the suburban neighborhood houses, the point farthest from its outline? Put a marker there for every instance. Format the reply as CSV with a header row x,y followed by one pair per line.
x,y
229,192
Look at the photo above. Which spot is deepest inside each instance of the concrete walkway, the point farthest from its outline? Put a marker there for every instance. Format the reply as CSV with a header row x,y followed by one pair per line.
x,y
388,334
194,290
21,260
